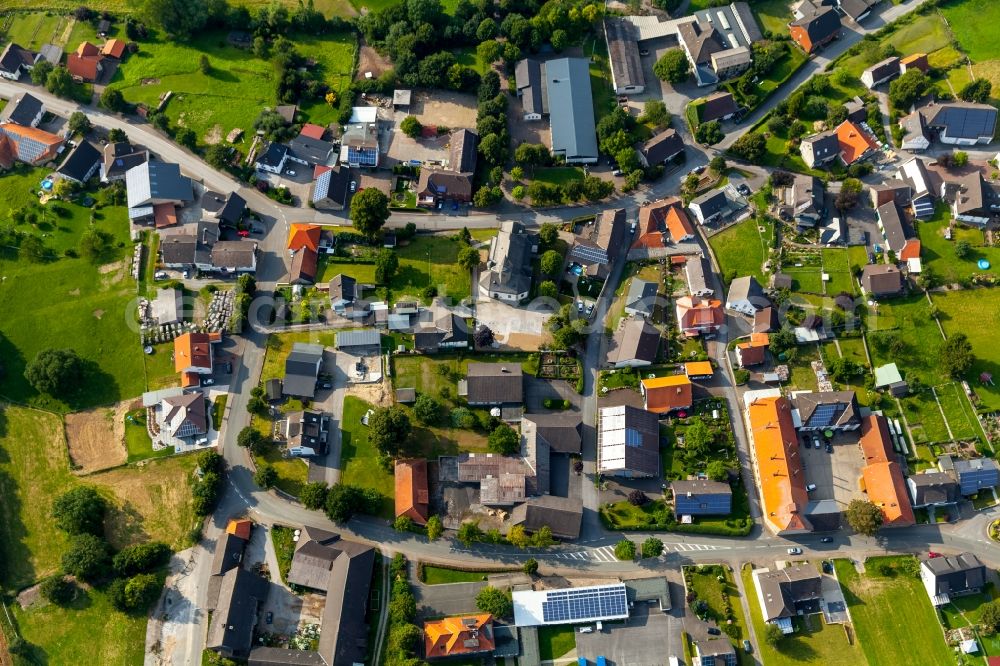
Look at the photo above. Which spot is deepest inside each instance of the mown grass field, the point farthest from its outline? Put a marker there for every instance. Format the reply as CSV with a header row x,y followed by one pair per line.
x,y
237,86
741,250
153,502
555,640
974,24
909,318
441,575
358,458
976,312
925,34
938,253
68,303
814,641
893,617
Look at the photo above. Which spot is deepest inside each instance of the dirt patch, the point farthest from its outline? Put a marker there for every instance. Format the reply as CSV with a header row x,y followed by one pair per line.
x,y
526,341
445,109
377,393
109,268
98,314
29,596
214,135
369,60
87,437
75,292
149,82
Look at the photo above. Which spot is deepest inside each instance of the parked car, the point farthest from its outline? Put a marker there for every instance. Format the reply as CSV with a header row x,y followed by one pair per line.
x,y
644,52
160,275
354,185
290,172
243,233
747,647
186,273
827,567
579,306
715,631
269,618
826,540
208,381
586,630
795,551
616,172
744,189
816,443
829,447
811,487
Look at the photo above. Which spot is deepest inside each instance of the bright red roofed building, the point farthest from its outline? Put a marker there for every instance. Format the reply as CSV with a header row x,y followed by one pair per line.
x,y
697,315
304,236
457,636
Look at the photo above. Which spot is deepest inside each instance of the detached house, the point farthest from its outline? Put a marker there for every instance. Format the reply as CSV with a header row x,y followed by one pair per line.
x,y
697,316
412,497
826,410
662,395
640,298
819,149
880,72
976,474
662,148
628,442
635,344
26,144
598,245
184,416
85,63
302,370
746,296
701,497
508,269
24,109
15,61
463,636
952,576
972,198
709,206
786,593
118,159
818,26
933,489
897,232
81,164
803,202
154,191
881,280
448,331
330,187
961,123
754,351
193,356
855,144
718,106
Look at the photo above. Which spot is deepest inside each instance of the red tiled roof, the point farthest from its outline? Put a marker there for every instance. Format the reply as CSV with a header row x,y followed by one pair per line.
x,y
854,142
240,528
164,215
465,634
696,313
313,131
304,235
665,394
192,350
86,49
114,48
320,169
678,224
911,250
652,223
84,67
883,475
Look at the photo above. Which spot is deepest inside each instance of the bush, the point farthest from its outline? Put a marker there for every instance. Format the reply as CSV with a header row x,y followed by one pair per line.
x,y
80,511
504,440
495,601
427,410
57,589
140,558
637,498
530,566
88,557
625,550
313,495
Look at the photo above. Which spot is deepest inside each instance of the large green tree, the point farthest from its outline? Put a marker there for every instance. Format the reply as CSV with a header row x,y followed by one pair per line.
x,y
55,371
181,19
495,601
504,440
80,511
673,66
955,356
388,429
864,517
369,211
88,557
386,264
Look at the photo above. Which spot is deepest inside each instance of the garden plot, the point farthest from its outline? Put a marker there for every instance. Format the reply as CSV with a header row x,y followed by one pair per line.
x,y
87,436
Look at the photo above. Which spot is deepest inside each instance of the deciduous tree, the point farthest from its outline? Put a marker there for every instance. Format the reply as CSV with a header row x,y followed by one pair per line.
x,y
864,517
388,429
673,66
495,601
369,211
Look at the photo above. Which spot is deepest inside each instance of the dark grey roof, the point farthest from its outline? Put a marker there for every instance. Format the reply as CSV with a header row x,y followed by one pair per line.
x,y
747,22
856,9
623,52
81,163
954,574
234,255
571,104
51,53
232,211
635,340
824,145
362,337
14,57
718,105
235,616
462,152
274,154
878,279
121,156
344,633
178,249
313,151
23,109
332,185
155,182
641,296
272,656
272,387
343,287
449,328
839,409
509,262
976,474
301,369
639,443
819,22
495,383
897,231
711,202
883,70
228,553
933,488
700,39
562,515
663,146
963,120
530,76
701,497
560,430
785,589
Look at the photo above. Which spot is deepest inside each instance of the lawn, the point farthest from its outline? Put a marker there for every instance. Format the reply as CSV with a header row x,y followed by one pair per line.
x,y
741,249
938,253
137,441
976,313
910,319
279,346
957,411
35,29
801,375
963,611
814,641
924,418
970,21
68,302
773,15
600,78
358,458
237,86
705,585
433,575
555,640
293,473
893,617
924,34
283,539
558,175
837,263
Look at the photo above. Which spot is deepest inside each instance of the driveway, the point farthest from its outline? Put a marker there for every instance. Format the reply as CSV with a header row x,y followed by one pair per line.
x,y
647,638
513,327
537,391
331,401
448,599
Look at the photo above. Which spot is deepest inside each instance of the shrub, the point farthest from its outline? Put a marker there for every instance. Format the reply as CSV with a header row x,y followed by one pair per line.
x,y
88,557
57,589
140,558
495,601
625,550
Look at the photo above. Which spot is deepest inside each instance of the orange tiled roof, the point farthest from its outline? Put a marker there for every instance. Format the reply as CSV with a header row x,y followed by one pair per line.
x,y
665,394
694,313
652,223
466,634
411,490
678,224
854,142
882,475
911,250
41,136
781,476
240,528
84,67
304,235
698,368
192,350
189,379
114,48
164,215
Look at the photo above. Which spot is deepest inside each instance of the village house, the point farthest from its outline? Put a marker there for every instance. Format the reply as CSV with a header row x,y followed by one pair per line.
x,y
662,395
635,344
701,497
697,316
815,26
628,442
508,272
597,245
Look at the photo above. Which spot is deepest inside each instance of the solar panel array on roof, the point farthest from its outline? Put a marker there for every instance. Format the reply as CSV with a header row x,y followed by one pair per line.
x,y
363,156
590,254
824,416
711,660
633,437
580,605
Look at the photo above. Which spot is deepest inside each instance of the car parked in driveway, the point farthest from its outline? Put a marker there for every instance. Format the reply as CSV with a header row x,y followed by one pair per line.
x,y
794,551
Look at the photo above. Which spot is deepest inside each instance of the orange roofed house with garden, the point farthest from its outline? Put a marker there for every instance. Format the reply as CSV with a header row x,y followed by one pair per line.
x,y
883,475
666,394
459,636
411,490
780,474
193,356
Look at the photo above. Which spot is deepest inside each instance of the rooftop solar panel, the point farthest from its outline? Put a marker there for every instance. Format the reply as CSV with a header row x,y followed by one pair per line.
x,y
585,604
